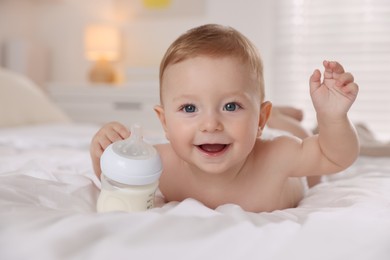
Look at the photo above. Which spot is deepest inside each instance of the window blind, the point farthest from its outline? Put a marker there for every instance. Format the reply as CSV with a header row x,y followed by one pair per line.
x,y
354,32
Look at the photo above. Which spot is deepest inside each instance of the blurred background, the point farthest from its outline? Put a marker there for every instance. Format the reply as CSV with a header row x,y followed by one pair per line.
x,y
64,43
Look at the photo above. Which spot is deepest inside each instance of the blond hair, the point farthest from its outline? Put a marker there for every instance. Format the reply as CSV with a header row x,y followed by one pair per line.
x,y
215,41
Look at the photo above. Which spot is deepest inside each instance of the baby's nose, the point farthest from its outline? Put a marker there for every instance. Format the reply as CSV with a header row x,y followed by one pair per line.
x,y
211,122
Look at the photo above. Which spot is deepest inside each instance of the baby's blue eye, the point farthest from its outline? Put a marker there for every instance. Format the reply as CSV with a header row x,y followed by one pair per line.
x,y
231,106
189,108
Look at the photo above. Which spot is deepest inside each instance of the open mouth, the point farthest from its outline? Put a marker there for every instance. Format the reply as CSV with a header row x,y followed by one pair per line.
x,y
213,149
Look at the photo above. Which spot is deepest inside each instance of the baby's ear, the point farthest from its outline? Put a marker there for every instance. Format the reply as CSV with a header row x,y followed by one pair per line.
x,y
265,112
161,115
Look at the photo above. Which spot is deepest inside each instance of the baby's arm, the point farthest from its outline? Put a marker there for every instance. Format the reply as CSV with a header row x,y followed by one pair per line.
x,y
336,147
332,99
108,134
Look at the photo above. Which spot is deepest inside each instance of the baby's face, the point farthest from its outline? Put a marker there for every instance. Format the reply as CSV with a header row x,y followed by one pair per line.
x,y
211,110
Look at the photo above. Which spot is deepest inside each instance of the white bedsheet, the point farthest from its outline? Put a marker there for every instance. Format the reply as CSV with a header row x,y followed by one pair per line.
x,y
47,211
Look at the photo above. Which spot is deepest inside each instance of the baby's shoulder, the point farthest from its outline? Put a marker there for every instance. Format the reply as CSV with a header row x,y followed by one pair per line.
x,y
281,148
274,157
277,143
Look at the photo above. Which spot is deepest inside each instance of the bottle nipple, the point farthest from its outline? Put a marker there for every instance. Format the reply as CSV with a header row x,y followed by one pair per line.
x,y
134,147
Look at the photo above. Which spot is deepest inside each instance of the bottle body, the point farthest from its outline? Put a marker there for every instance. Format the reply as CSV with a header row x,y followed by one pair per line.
x,y
115,196
131,169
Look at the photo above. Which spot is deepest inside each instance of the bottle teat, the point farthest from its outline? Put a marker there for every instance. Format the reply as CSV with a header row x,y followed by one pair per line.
x,y
134,147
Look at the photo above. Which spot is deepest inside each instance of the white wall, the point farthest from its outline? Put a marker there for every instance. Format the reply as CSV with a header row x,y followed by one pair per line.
x,y
59,25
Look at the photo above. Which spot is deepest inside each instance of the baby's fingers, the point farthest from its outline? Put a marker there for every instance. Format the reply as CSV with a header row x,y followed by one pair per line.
x,y
99,143
122,131
113,136
346,84
96,149
352,89
332,69
344,79
102,141
108,134
315,80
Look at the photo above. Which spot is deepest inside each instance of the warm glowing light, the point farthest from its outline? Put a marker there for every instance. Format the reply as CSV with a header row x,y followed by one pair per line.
x,y
102,45
102,42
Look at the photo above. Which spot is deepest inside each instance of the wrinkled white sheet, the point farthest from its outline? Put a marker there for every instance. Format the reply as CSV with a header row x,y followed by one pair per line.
x,y
47,211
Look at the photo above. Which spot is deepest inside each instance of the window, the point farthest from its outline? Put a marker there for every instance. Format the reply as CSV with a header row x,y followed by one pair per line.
x,y
353,32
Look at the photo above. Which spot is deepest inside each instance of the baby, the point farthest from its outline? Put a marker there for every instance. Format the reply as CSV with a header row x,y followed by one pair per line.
x,y
213,113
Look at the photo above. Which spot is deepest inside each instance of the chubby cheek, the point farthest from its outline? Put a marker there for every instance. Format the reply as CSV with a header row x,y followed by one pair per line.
x,y
246,132
179,133
248,137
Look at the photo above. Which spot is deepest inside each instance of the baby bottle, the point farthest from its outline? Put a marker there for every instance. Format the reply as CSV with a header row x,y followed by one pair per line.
x,y
130,172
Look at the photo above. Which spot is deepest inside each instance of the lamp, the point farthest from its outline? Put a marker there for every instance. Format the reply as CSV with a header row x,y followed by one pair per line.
x,y
102,44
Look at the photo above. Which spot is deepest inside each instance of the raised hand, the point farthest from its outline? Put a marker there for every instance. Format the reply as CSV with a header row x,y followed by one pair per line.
x,y
334,95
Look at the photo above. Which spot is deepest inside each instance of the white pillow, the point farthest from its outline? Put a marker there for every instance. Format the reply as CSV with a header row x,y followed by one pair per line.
x,y
24,103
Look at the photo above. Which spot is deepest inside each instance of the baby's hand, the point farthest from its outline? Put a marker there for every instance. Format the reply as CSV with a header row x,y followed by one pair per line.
x,y
336,93
108,134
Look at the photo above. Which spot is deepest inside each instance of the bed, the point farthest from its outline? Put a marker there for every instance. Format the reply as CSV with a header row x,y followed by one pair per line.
x,y
48,194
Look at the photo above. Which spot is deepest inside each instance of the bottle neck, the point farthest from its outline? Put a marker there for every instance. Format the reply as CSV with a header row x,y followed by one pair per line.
x,y
108,183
